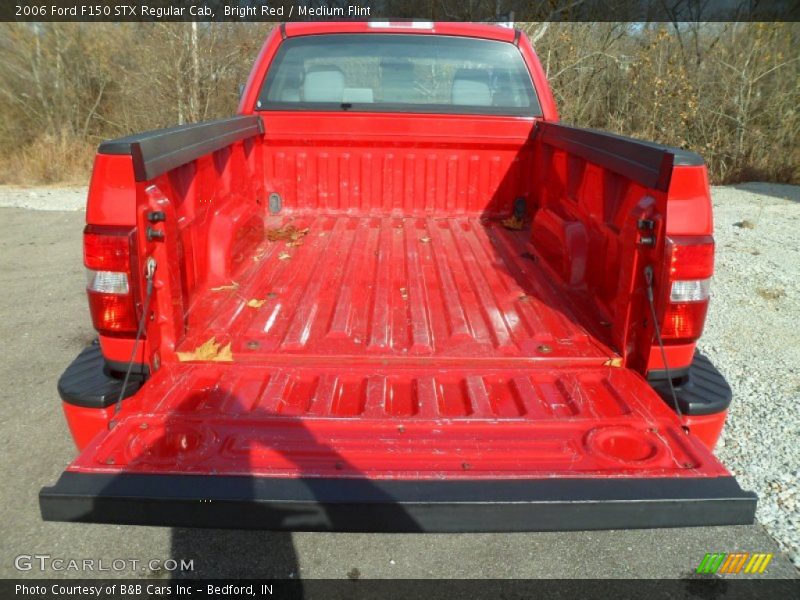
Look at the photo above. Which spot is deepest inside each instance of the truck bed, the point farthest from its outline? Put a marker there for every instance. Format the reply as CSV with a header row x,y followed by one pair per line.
x,y
402,291
400,361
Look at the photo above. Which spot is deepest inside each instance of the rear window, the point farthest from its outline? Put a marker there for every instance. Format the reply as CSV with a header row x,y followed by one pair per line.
x,y
397,72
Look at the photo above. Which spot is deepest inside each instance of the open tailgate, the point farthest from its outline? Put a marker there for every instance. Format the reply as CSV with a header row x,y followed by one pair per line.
x,y
397,449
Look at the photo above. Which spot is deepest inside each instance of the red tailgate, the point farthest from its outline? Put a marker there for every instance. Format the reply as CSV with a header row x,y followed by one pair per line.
x,y
228,443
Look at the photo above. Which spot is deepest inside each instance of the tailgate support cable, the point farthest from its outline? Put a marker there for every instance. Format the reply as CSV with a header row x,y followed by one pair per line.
x,y
149,274
648,277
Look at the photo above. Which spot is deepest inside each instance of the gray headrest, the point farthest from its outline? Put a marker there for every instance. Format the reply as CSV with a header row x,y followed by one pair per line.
x,y
323,83
471,88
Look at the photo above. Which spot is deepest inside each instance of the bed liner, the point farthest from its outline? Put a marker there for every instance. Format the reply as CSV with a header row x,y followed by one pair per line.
x,y
367,288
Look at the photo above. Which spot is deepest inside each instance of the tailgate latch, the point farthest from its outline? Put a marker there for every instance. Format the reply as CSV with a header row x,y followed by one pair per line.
x,y
647,227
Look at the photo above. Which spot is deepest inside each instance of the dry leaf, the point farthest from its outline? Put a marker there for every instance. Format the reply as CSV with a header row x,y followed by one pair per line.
x,y
613,362
287,232
255,303
205,351
284,256
514,223
210,350
225,354
231,286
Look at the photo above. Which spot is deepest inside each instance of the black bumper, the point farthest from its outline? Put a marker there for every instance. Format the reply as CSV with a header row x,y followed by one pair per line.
x,y
701,389
360,505
89,381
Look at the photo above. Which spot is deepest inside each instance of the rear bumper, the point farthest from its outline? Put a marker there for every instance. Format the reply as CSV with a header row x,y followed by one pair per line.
x,y
360,505
87,383
88,392
700,390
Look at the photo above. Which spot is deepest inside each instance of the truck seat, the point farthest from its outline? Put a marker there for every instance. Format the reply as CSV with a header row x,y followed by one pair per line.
x,y
471,88
323,83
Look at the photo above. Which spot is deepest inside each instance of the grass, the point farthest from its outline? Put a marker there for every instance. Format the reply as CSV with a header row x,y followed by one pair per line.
x,y
771,294
48,160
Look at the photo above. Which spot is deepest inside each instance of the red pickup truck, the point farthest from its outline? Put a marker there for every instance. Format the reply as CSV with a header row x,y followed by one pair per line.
x,y
394,293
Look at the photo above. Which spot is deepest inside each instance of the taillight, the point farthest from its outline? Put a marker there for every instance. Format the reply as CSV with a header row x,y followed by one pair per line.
x,y
691,264
693,290
107,255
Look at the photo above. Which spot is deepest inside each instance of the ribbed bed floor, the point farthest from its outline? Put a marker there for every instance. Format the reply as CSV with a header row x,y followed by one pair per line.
x,y
398,290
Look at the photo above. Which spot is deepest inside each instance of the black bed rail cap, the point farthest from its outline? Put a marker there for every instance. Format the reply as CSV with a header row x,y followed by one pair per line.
x,y
645,162
160,150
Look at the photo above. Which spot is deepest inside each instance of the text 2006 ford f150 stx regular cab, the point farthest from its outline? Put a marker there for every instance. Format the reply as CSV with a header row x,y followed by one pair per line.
x,y
394,293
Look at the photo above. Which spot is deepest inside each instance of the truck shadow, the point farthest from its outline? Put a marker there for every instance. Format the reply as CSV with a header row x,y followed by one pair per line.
x,y
236,554
283,442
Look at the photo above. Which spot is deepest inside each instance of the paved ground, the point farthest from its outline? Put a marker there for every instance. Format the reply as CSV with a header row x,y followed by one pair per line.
x,y
46,324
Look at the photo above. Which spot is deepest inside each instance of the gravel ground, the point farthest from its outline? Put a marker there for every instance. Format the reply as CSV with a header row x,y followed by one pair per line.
x,y
44,198
752,336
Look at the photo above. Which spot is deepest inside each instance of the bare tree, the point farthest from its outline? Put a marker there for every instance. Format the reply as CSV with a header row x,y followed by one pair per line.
x,y
727,90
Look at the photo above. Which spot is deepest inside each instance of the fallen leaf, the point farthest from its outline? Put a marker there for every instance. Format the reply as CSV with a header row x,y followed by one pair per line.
x,y
425,239
514,223
613,362
294,243
210,350
255,303
231,286
205,351
225,354
284,256
287,232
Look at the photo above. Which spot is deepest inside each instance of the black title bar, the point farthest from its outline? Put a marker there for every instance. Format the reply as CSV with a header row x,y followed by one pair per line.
x,y
508,11
693,586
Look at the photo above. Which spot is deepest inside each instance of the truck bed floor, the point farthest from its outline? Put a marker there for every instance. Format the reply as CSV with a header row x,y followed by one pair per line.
x,y
392,290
